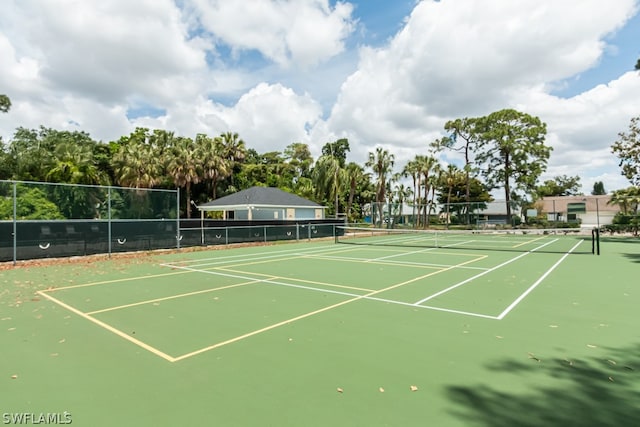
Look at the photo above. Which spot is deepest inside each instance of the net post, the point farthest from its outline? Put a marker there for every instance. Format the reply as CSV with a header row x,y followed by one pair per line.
x,y
598,241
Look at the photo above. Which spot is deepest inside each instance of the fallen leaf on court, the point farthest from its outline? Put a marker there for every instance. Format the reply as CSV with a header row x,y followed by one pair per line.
x,y
553,326
612,362
14,376
611,379
54,355
592,346
61,341
413,388
340,390
532,356
499,337
11,329
6,318
381,390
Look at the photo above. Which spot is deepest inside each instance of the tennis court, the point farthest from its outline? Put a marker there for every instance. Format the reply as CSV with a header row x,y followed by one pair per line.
x,y
375,328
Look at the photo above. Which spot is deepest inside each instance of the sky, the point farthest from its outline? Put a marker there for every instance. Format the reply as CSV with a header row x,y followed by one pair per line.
x,y
381,73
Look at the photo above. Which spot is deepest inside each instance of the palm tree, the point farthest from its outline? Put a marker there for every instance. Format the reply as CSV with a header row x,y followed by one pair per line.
x,y
449,177
329,178
411,170
402,193
234,151
381,162
433,184
215,165
185,167
73,163
137,165
628,199
355,175
426,165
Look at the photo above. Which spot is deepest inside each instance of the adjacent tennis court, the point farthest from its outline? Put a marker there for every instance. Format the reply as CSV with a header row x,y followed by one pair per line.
x,y
378,327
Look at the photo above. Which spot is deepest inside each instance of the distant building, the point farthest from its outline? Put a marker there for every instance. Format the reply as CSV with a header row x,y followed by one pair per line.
x,y
592,211
264,203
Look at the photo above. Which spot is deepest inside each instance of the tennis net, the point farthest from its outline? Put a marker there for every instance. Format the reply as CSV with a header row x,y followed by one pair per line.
x,y
515,240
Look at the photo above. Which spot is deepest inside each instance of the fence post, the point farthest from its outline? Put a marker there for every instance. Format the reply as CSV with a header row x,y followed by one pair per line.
x,y
178,218
109,219
15,225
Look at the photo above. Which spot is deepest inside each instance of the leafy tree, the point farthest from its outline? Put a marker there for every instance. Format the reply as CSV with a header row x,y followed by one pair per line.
x,y
598,189
32,204
30,152
465,137
638,65
560,186
627,148
299,158
512,152
452,193
5,103
381,162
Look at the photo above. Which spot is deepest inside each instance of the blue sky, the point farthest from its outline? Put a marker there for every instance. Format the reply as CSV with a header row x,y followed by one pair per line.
x,y
380,73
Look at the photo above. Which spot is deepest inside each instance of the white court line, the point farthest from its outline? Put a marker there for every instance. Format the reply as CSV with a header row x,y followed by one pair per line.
x,y
251,257
400,263
532,287
482,274
348,294
232,258
271,282
428,307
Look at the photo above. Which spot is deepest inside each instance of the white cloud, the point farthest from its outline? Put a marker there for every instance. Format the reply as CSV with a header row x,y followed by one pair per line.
x,y
299,32
89,63
104,50
468,58
267,118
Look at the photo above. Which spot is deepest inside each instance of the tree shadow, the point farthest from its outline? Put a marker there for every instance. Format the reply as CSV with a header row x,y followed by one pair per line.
x,y
633,257
593,392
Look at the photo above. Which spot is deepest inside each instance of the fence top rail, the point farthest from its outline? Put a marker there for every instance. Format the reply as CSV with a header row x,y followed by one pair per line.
x,y
303,224
112,187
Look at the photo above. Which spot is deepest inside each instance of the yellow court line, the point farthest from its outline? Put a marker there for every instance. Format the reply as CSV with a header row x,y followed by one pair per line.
x,y
126,279
312,313
109,328
104,310
271,277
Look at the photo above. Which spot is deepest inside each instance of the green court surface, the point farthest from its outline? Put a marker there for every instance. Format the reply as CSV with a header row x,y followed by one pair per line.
x,y
327,334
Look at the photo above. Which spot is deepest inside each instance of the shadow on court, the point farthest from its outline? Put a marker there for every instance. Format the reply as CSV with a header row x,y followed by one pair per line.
x,y
582,392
